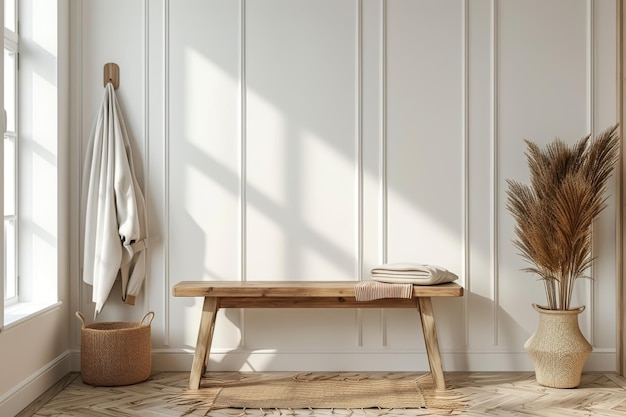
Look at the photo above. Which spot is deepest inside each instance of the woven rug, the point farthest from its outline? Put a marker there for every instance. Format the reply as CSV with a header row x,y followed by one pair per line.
x,y
316,391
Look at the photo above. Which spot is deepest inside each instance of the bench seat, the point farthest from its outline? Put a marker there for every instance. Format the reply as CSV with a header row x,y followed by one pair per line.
x,y
305,294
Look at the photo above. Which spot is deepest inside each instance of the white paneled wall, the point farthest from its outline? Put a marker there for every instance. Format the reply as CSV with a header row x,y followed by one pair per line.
x,y
313,139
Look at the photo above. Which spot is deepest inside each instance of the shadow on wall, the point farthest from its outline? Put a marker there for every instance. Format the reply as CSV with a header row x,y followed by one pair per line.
x,y
300,165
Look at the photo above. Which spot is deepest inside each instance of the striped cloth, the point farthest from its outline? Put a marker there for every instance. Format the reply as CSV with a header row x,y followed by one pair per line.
x,y
374,290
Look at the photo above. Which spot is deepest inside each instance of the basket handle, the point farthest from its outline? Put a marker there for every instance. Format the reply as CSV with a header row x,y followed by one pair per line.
x,y
149,313
81,318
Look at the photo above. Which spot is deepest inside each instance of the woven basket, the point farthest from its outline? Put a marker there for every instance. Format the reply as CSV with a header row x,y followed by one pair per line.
x,y
115,353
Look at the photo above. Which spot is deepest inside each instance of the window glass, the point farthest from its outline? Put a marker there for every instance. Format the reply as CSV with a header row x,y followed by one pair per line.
x,y
9,15
9,88
9,176
10,238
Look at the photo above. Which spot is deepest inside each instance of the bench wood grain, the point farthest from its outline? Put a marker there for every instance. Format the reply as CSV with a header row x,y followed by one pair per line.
x,y
305,294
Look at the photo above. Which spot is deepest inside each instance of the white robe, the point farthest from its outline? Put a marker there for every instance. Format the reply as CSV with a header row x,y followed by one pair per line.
x,y
114,209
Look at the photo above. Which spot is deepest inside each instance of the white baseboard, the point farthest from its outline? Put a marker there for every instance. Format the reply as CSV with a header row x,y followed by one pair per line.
x,y
240,360
24,393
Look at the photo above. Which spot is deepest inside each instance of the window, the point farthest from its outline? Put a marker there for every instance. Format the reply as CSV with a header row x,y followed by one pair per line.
x,y
11,222
31,160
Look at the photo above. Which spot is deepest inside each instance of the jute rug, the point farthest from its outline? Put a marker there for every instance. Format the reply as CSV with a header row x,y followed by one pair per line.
x,y
317,391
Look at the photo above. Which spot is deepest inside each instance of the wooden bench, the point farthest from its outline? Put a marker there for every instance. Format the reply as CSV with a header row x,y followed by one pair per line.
x,y
305,294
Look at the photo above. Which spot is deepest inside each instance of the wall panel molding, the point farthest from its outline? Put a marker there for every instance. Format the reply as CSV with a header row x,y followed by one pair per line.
x,y
243,151
465,276
384,236
146,137
495,174
383,222
591,129
358,149
166,170
243,143
619,241
359,139
79,155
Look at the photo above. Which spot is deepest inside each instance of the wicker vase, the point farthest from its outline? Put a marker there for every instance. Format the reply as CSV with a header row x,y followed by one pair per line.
x,y
558,349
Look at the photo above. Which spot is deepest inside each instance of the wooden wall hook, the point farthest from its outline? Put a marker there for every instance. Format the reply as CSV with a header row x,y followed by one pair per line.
x,y
112,74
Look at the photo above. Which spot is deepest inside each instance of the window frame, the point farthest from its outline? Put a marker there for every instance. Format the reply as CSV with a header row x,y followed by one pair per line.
x,y
11,45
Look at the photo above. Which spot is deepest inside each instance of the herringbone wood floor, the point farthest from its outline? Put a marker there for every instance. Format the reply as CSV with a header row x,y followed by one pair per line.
x,y
485,394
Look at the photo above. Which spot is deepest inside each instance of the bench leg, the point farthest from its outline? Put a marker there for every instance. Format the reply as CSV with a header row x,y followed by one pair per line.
x,y
203,346
425,308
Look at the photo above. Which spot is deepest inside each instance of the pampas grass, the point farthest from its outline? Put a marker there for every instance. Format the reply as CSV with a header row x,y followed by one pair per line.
x,y
554,214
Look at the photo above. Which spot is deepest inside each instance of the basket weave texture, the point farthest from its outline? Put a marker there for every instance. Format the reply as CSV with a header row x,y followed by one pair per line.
x,y
558,348
115,353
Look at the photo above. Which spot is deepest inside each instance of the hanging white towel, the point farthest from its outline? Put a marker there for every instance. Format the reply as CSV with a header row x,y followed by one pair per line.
x,y
114,209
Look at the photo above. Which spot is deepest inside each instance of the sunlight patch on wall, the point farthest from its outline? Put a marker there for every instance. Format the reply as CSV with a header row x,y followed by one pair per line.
x,y
270,128
192,322
424,239
45,290
39,226
44,194
326,175
44,96
210,207
44,25
209,91
327,206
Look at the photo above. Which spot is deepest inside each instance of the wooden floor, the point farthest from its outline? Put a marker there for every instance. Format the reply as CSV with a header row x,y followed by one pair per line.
x,y
485,394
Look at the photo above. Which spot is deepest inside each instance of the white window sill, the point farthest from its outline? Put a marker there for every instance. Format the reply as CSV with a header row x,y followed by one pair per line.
x,y
20,312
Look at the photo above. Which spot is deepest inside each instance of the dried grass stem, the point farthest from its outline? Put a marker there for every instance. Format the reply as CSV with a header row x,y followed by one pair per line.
x,y
555,213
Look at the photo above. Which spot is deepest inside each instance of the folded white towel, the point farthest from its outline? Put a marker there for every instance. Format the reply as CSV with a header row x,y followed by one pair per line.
x,y
412,273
